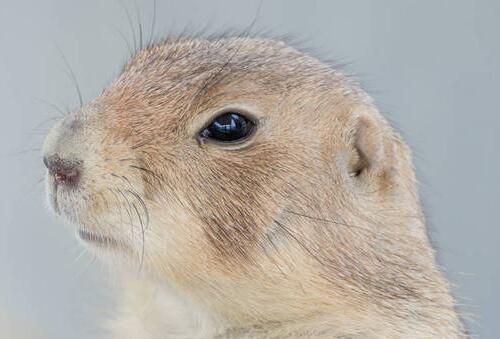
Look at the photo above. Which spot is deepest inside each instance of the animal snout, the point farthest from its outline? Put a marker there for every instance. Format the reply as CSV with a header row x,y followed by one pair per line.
x,y
64,171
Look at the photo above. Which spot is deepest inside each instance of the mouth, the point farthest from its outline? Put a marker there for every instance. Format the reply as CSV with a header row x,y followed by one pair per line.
x,y
51,188
61,200
93,238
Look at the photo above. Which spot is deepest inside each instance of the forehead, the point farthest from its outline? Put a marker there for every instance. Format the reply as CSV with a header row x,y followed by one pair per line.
x,y
186,65
192,57
187,76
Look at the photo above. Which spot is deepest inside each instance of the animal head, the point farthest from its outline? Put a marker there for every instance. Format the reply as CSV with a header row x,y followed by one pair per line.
x,y
243,169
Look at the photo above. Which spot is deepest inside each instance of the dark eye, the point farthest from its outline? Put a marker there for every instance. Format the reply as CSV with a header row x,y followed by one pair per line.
x,y
228,127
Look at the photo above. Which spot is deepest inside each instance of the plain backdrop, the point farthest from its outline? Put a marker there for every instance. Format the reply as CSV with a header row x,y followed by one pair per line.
x,y
432,66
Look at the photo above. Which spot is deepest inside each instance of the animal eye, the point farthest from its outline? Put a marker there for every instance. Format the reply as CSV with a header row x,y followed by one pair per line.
x,y
228,127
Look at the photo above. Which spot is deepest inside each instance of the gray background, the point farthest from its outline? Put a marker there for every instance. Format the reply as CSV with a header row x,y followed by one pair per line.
x,y
432,66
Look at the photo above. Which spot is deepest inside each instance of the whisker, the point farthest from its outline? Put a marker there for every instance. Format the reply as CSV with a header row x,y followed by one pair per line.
x,y
82,253
145,170
30,150
62,112
38,126
131,24
119,205
90,263
124,38
143,204
139,23
301,244
128,209
142,232
328,220
122,177
153,23
72,77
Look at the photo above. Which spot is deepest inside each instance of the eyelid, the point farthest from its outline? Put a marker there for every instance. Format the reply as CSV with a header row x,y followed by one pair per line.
x,y
203,118
232,145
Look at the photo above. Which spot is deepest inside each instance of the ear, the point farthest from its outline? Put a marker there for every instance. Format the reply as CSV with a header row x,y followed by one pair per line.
x,y
373,149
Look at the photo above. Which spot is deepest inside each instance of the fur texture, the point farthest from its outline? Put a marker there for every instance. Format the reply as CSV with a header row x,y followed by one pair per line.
x,y
311,228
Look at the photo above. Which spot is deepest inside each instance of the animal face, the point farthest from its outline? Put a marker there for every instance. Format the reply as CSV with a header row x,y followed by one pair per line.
x,y
197,147
260,180
214,152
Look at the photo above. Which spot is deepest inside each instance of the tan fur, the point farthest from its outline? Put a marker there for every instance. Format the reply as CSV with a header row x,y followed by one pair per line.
x,y
312,228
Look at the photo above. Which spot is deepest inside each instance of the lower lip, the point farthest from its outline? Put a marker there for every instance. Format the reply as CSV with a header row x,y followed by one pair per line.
x,y
95,238
52,189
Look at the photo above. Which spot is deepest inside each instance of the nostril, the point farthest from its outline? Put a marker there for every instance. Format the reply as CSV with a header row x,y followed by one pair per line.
x,y
64,175
64,171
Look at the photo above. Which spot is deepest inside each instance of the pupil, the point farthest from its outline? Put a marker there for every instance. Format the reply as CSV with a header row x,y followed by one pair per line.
x,y
228,127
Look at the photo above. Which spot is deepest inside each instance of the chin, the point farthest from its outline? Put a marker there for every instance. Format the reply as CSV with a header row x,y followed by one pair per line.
x,y
91,230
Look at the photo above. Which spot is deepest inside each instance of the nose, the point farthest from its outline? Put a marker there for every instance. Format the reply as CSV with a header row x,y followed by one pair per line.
x,y
64,171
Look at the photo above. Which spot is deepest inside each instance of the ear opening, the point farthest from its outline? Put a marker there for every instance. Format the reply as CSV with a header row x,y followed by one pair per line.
x,y
372,144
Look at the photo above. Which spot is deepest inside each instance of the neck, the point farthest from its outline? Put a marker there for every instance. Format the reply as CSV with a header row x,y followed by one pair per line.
x,y
292,301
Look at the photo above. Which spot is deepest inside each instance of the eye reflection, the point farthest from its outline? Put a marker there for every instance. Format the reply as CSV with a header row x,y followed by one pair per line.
x,y
228,127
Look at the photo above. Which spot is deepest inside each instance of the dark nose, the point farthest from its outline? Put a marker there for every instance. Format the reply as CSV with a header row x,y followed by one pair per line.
x,y
64,171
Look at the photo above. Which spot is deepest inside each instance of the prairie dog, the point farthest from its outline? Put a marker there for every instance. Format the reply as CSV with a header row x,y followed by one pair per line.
x,y
259,192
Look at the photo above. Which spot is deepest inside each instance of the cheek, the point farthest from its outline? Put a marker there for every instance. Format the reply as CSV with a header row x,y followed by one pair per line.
x,y
175,234
236,205
227,200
